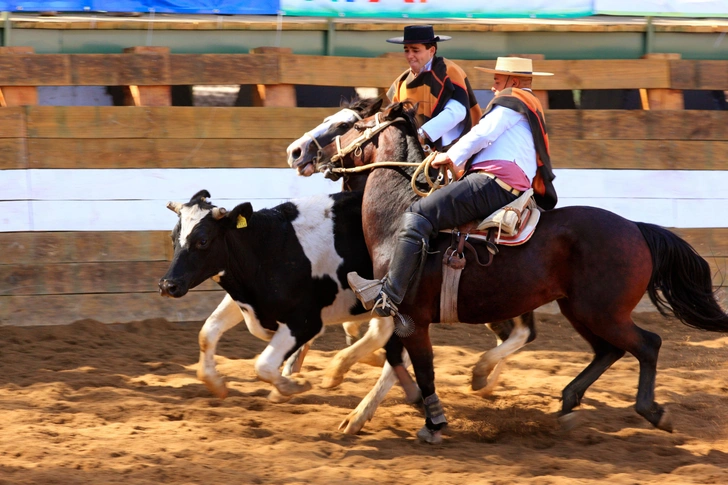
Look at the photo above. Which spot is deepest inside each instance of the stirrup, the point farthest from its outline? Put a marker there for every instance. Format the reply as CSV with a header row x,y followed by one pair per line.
x,y
367,291
384,306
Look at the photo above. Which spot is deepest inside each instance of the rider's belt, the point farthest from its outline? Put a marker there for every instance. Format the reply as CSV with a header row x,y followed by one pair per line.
x,y
503,185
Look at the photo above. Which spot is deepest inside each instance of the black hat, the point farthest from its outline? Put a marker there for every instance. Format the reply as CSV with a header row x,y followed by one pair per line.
x,y
419,34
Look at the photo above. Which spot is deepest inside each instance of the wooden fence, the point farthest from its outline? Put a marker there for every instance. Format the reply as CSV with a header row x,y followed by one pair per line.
x,y
59,277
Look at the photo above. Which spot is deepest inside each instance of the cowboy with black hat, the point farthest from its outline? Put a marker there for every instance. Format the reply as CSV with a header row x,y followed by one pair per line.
x,y
447,106
504,155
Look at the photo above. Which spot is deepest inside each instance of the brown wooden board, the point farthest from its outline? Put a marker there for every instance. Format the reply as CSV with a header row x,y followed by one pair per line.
x,y
190,69
241,153
82,278
13,153
708,242
12,122
640,154
637,125
82,247
171,122
157,153
686,74
106,308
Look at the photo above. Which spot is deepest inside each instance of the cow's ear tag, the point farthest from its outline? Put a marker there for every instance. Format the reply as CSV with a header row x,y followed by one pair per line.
x,y
241,222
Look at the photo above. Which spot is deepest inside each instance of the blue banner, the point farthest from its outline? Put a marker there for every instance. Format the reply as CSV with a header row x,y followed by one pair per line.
x,y
239,7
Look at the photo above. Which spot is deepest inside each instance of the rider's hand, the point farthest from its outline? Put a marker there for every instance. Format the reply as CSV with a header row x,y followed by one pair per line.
x,y
441,160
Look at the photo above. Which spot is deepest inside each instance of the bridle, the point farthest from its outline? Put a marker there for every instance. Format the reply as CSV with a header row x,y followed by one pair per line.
x,y
355,147
345,110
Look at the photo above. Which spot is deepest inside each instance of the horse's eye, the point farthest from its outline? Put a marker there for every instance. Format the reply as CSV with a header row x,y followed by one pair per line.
x,y
201,243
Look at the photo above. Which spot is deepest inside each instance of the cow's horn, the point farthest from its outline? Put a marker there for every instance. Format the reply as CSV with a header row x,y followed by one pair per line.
x,y
174,206
218,212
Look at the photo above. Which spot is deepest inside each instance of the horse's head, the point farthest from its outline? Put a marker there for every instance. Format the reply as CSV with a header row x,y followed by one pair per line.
x,y
301,153
376,138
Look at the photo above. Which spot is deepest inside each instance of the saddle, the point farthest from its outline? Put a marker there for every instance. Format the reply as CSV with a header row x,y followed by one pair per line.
x,y
511,225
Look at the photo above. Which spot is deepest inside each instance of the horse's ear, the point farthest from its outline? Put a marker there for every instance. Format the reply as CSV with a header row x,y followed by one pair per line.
x,y
376,106
239,217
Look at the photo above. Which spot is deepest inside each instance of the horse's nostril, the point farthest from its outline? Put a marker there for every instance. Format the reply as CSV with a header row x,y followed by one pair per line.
x,y
296,154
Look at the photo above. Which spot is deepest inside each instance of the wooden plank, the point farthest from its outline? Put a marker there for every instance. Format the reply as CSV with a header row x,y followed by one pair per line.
x,y
34,70
85,278
289,123
237,153
640,154
156,153
75,247
190,69
12,122
225,69
171,122
637,125
698,74
708,242
13,153
106,308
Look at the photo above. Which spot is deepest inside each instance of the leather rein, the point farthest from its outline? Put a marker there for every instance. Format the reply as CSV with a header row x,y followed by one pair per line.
x,y
356,147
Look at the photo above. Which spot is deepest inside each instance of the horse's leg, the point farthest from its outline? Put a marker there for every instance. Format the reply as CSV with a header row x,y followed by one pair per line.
x,y
395,358
353,332
285,343
364,412
419,348
610,340
511,336
226,316
380,329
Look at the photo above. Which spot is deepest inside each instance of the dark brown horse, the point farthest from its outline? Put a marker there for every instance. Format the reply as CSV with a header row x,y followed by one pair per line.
x,y
595,264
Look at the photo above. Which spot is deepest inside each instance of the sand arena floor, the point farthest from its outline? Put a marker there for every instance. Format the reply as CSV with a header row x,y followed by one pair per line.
x,y
97,404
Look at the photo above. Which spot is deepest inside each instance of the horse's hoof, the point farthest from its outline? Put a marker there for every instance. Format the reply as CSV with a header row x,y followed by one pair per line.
x,y
352,424
330,382
277,398
431,437
289,387
570,420
413,396
216,385
665,422
480,386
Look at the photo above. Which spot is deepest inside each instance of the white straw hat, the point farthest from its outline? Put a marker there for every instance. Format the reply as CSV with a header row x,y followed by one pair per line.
x,y
514,66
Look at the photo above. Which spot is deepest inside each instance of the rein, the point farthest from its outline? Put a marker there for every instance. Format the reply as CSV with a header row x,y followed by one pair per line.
x,y
355,146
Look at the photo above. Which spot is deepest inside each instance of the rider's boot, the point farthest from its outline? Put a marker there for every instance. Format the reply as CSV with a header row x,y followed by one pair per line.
x,y
384,295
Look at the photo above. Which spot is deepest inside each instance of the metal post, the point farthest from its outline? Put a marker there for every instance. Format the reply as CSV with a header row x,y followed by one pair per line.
x,y
649,36
330,37
7,28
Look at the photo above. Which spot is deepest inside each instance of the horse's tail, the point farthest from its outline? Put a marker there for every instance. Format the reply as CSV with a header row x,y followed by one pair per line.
x,y
684,281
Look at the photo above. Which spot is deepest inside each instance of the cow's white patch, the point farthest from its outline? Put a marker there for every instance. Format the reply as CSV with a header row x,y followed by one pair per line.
x,y
189,217
253,324
271,358
314,228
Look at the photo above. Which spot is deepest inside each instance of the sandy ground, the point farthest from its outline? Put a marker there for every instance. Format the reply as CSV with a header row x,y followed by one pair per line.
x,y
95,404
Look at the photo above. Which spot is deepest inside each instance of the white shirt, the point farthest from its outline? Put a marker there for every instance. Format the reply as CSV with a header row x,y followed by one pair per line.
x,y
502,134
449,124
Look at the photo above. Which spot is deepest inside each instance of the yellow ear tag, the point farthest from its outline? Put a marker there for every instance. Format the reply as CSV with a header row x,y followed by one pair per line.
x,y
242,222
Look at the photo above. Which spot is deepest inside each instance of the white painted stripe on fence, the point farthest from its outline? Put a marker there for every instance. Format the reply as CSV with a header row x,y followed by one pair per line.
x,y
135,199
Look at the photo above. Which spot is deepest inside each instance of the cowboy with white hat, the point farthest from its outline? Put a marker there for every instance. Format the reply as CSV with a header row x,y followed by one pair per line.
x,y
504,155
447,107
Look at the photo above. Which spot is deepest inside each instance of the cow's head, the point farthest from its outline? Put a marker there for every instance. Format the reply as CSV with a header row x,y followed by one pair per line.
x,y
199,242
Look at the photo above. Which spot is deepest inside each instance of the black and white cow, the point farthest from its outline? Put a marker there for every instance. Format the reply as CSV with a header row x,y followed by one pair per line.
x,y
285,268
